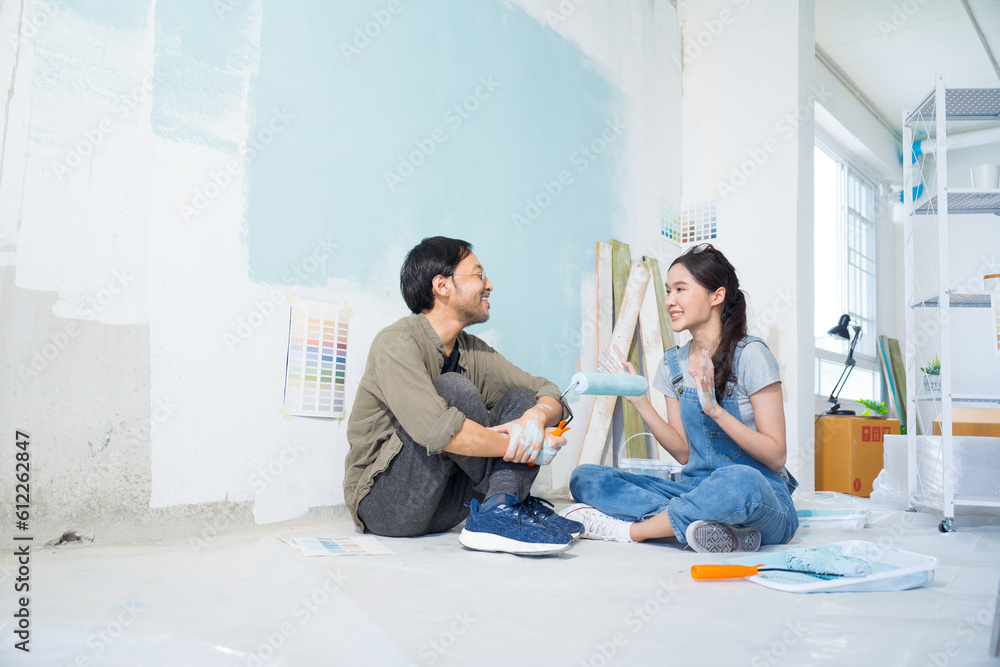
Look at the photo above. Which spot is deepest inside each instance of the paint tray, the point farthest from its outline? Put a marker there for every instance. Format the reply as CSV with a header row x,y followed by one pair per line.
x,y
892,570
833,518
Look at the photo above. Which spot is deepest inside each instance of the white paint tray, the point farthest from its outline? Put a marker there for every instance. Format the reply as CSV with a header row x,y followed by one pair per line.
x,y
892,570
838,518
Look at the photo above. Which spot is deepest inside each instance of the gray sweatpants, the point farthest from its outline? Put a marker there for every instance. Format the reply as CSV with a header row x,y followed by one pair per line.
x,y
421,493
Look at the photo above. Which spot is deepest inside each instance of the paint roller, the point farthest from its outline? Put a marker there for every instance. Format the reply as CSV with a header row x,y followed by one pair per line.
x,y
608,384
824,562
599,384
740,571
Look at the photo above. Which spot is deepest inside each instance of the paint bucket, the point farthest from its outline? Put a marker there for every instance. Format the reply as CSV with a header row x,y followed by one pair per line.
x,y
986,177
651,467
991,282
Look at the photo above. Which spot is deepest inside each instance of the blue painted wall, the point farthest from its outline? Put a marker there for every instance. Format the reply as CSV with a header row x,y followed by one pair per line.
x,y
381,127
204,53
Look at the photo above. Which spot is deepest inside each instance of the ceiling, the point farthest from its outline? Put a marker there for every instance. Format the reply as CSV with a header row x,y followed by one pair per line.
x,y
891,50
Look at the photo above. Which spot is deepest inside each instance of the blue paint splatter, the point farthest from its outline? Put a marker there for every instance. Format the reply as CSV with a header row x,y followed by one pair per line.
x,y
485,107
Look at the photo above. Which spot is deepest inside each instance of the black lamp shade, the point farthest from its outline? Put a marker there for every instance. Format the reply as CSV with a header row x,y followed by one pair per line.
x,y
840,331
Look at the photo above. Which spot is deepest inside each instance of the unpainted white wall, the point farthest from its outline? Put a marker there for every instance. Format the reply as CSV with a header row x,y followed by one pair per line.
x,y
973,251
749,95
637,46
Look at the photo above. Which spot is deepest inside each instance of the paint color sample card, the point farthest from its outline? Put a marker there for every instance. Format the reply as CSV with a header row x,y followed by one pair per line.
x,y
668,220
316,365
358,545
699,222
691,223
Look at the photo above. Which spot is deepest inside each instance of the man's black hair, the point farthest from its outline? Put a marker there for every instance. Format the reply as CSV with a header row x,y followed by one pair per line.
x,y
434,256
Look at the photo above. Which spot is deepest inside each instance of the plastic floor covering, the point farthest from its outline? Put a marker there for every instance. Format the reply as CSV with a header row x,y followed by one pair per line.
x,y
251,600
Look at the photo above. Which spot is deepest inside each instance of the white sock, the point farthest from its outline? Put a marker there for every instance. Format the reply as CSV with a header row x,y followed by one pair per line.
x,y
623,531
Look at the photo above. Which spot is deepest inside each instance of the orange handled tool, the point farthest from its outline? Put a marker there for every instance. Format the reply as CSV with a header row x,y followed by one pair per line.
x,y
740,571
562,428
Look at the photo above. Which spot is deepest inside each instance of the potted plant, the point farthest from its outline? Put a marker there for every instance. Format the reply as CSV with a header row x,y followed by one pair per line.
x,y
932,375
873,409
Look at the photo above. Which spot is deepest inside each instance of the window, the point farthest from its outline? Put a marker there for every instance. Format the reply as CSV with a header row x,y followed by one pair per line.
x,y
845,273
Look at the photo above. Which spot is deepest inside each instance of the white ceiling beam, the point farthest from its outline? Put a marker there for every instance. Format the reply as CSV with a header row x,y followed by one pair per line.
x,y
830,65
982,38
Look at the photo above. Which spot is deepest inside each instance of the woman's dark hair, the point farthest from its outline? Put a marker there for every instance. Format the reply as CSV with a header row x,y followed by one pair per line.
x,y
434,256
712,270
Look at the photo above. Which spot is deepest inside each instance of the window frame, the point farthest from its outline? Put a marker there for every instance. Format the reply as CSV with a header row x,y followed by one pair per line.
x,y
847,166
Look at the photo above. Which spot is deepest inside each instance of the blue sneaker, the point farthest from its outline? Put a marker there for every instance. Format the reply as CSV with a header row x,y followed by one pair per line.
x,y
508,526
546,514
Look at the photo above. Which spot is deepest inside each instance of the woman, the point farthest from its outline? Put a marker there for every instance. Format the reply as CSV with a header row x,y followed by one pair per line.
x,y
725,423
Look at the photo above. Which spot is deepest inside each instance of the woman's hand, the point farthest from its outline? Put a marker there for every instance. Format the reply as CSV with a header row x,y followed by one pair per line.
x,y
704,379
619,365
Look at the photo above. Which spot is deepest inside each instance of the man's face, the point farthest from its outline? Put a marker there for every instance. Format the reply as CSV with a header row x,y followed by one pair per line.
x,y
472,291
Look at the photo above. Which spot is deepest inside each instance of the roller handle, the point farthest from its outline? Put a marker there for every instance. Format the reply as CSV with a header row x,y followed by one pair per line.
x,y
723,571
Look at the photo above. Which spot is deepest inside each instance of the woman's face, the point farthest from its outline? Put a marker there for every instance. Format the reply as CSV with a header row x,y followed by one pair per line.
x,y
689,304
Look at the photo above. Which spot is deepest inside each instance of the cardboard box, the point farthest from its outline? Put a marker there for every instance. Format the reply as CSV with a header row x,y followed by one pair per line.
x,y
972,421
849,452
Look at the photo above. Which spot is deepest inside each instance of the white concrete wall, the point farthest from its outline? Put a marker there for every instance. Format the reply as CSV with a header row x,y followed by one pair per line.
x,y
115,308
875,150
749,98
637,46
973,251
868,139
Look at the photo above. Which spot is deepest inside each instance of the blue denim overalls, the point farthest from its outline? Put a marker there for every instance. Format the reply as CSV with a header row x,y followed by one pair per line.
x,y
720,482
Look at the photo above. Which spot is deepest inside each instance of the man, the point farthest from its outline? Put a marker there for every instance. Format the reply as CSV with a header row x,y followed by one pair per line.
x,y
444,428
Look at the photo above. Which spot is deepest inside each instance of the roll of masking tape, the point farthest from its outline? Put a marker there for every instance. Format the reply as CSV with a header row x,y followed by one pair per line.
x,y
991,283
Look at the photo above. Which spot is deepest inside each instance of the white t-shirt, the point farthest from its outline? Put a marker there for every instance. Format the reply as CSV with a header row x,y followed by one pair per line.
x,y
758,368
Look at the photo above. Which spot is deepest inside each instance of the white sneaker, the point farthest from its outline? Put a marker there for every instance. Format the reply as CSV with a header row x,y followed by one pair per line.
x,y
596,524
713,537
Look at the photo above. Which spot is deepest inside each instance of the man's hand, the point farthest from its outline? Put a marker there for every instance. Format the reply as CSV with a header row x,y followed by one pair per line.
x,y
526,436
550,447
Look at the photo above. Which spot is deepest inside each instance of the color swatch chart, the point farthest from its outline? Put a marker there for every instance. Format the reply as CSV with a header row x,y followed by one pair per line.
x,y
692,223
316,367
357,545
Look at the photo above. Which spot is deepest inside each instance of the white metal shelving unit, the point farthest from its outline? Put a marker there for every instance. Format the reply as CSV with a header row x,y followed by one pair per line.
x,y
939,107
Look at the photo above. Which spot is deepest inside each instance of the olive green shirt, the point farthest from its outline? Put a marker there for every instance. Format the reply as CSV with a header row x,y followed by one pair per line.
x,y
397,390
